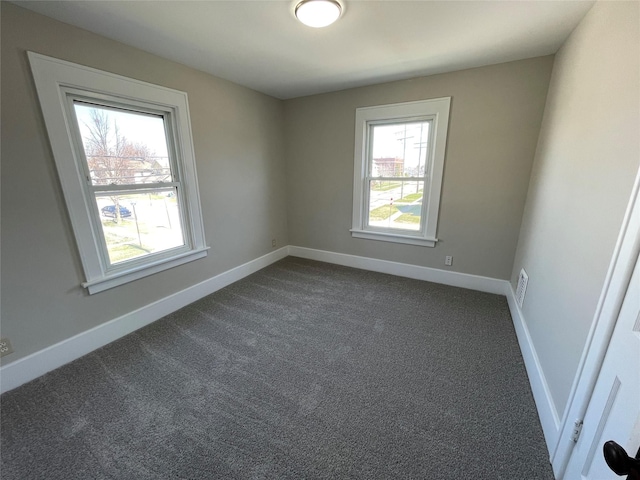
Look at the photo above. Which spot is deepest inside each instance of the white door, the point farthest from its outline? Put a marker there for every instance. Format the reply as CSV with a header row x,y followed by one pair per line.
x,y
614,408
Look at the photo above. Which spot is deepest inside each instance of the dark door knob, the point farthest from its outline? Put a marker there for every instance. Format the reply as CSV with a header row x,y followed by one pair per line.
x,y
621,463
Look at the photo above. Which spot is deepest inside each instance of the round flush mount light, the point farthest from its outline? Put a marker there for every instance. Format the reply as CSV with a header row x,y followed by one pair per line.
x,y
318,13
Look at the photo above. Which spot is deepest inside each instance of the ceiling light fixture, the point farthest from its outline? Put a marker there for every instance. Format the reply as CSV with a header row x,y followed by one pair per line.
x,y
318,13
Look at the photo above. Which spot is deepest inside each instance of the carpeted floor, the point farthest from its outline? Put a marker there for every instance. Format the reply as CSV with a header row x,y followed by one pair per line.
x,y
302,370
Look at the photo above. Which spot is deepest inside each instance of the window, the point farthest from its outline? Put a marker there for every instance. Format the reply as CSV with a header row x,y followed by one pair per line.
x,y
125,159
399,160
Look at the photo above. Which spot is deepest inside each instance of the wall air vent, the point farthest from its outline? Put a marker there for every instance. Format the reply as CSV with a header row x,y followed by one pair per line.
x,y
521,291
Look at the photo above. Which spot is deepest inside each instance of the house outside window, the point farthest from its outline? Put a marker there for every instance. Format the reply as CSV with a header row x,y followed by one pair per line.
x,y
124,155
398,169
131,177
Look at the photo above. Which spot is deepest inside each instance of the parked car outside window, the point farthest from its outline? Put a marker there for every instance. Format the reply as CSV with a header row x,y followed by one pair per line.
x,y
110,211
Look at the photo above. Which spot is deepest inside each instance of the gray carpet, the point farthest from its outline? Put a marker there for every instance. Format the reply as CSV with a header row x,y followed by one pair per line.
x,y
302,370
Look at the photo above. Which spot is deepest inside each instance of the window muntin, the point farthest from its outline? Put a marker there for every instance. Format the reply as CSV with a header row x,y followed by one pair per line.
x,y
62,86
397,157
130,176
399,148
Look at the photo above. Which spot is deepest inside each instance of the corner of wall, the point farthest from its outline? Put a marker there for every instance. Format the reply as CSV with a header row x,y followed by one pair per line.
x,y
547,412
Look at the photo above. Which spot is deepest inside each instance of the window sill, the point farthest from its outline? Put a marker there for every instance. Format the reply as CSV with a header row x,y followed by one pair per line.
x,y
394,238
120,278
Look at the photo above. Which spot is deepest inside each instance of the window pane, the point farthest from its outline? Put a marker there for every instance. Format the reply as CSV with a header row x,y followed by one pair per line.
x,y
122,147
396,205
399,149
146,223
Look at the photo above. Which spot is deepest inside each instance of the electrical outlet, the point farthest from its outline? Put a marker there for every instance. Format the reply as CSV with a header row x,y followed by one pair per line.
x,y
273,242
448,260
5,347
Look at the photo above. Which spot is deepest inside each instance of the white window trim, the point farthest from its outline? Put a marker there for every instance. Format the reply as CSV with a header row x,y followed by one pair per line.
x,y
54,78
436,109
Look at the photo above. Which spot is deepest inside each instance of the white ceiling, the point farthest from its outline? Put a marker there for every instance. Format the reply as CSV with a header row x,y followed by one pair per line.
x,y
260,44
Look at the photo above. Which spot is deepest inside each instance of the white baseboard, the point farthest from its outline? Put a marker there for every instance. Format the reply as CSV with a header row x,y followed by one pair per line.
x,y
455,279
541,394
32,366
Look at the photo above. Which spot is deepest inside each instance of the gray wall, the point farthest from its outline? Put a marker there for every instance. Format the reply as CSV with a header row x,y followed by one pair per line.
x,y
246,143
495,120
587,157
238,140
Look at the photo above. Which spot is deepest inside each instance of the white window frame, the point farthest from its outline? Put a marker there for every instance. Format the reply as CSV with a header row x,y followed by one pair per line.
x,y
437,112
58,83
